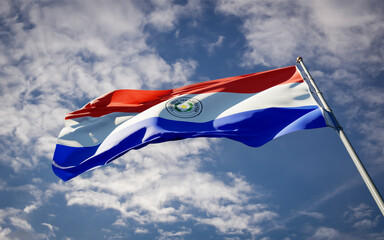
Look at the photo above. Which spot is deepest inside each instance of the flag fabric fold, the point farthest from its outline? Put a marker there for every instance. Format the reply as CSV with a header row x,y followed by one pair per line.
x,y
252,109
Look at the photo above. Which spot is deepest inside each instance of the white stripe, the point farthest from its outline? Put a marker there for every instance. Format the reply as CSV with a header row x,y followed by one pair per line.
x,y
90,131
218,105
222,104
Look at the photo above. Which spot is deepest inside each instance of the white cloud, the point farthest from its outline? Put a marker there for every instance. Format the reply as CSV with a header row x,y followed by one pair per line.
x,y
4,233
361,217
30,208
342,37
73,52
326,233
277,32
165,14
5,8
3,185
62,55
342,13
15,225
349,26
173,235
119,222
366,223
331,32
272,35
20,223
52,230
211,46
50,226
5,213
163,183
141,231
315,215
359,212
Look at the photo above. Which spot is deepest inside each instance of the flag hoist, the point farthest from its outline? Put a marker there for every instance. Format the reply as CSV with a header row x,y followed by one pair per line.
x,y
351,151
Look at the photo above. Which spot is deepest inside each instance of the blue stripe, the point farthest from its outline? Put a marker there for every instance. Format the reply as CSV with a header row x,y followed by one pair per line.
x,y
253,128
66,156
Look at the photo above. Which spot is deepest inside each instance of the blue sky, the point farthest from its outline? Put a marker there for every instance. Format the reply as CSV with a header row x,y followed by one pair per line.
x,y
55,56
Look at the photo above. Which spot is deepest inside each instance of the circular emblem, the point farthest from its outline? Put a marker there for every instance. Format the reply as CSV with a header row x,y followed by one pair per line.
x,y
184,107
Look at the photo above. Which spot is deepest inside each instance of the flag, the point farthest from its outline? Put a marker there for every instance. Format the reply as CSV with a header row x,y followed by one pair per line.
x,y
252,109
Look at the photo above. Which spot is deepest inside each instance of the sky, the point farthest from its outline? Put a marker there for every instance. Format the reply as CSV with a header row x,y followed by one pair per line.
x,y
55,56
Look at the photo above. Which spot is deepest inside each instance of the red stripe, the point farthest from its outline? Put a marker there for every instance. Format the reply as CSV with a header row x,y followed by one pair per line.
x,y
139,100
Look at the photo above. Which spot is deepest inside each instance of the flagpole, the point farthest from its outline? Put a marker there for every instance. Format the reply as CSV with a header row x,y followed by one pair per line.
x,y
355,158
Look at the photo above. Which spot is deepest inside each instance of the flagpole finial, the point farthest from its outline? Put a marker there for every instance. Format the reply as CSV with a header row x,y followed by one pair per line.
x,y
299,59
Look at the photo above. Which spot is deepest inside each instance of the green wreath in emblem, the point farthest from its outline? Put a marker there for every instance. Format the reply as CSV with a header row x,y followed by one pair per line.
x,y
184,107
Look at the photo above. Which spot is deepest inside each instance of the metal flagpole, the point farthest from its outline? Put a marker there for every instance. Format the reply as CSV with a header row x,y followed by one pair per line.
x,y
356,160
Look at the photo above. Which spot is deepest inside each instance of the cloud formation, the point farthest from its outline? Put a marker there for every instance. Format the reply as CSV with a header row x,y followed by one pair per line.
x,y
337,36
361,217
58,56
55,56
164,184
15,225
